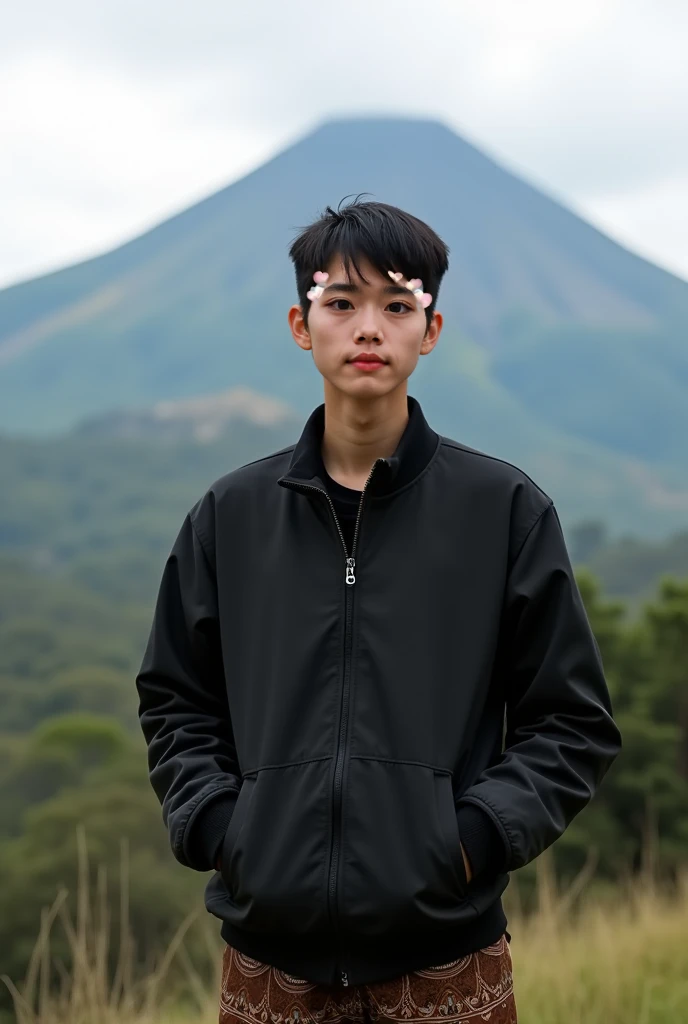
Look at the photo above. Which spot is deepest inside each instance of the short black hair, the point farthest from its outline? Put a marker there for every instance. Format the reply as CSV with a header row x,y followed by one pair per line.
x,y
388,237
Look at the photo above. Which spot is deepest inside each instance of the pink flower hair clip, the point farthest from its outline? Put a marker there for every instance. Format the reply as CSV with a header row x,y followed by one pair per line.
x,y
320,277
415,285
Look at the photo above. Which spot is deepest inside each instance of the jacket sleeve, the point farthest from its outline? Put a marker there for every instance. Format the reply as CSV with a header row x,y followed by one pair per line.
x,y
560,735
183,706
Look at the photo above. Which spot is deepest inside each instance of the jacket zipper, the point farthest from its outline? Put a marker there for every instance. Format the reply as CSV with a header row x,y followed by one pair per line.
x,y
350,579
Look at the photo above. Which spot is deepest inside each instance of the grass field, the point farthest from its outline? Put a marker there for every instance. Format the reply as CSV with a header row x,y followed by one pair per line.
x,y
590,955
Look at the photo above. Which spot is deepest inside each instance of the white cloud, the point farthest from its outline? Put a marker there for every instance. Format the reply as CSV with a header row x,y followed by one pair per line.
x,y
96,157
653,220
116,115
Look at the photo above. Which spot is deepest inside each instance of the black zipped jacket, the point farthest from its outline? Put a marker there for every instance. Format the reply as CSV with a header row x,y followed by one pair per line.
x,y
319,718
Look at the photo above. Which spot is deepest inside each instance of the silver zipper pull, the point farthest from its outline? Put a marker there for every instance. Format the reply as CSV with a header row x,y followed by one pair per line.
x,y
345,980
350,578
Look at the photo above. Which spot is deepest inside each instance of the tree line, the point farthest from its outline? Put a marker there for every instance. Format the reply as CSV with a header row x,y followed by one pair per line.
x,y
71,753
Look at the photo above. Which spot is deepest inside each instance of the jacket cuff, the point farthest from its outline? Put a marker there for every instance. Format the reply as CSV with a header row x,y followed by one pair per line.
x,y
208,831
481,840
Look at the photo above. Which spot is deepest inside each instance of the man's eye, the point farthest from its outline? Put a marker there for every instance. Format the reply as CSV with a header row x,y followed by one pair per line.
x,y
403,307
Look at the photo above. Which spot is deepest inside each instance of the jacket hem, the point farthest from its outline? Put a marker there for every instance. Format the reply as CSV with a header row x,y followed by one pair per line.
x,y
319,958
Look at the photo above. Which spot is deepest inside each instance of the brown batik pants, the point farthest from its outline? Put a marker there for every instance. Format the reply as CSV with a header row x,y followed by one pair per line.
x,y
475,989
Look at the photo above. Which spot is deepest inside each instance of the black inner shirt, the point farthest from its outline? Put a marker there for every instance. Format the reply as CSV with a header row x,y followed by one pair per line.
x,y
346,501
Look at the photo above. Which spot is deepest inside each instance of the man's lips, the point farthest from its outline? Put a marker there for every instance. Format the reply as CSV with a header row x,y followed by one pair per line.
x,y
367,365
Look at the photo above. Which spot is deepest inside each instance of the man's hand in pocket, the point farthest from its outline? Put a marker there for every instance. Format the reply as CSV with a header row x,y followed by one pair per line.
x,y
466,862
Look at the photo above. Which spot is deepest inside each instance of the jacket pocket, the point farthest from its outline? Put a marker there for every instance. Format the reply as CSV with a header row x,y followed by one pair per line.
x,y
446,811
234,827
402,863
274,850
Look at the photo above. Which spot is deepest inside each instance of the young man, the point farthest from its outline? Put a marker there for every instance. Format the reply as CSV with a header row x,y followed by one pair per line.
x,y
371,690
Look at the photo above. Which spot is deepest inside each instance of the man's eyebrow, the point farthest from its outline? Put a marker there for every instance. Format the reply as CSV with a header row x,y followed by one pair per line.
x,y
389,289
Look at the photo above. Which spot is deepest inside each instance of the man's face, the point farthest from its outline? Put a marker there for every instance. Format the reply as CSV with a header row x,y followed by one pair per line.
x,y
352,317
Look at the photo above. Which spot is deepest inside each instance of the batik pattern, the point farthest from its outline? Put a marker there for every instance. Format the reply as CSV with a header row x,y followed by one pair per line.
x,y
474,989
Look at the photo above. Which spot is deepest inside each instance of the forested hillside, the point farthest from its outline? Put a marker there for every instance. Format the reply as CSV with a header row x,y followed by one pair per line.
x,y
71,750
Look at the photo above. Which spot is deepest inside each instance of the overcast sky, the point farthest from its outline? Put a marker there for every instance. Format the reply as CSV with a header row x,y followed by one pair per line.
x,y
114,115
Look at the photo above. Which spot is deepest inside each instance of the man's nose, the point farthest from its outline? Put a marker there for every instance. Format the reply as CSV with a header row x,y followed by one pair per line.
x,y
369,323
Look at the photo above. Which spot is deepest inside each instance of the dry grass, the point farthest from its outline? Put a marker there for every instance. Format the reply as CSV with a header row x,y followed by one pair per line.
x,y
586,956
620,958
89,990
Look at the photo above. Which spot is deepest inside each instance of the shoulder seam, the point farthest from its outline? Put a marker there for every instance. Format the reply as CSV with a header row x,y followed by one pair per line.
x,y
532,526
197,529
264,458
495,458
243,465
193,511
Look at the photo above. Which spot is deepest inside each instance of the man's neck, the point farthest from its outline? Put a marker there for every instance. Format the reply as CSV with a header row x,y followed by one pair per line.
x,y
357,433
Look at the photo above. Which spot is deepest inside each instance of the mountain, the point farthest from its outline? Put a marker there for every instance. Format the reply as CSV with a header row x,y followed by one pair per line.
x,y
561,351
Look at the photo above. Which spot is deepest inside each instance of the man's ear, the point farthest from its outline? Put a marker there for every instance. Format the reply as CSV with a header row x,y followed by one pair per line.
x,y
433,330
297,325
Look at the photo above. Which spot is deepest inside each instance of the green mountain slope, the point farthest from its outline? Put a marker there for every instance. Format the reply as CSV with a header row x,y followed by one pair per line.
x,y
581,344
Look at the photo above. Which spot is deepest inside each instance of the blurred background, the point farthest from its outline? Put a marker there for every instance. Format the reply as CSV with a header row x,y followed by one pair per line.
x,y
157,161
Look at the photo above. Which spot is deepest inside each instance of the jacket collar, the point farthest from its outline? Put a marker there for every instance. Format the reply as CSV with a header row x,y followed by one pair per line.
x,y
416,447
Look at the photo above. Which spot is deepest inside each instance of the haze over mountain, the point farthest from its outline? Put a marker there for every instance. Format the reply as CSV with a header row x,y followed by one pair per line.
x,y
562,351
